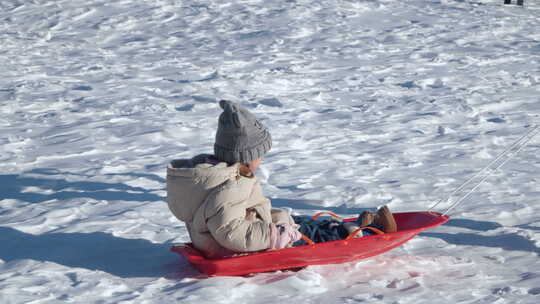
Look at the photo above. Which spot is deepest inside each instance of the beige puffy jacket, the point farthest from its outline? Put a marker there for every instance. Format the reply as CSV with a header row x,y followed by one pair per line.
x,y
224,212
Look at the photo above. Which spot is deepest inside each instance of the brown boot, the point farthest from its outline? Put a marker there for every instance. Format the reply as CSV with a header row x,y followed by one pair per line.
x,y
385,218
366,218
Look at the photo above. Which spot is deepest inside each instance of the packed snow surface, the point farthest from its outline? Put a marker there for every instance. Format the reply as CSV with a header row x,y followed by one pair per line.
x,y
369,102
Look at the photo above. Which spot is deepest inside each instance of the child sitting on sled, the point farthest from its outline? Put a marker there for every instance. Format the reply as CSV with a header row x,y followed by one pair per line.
x,y
220,199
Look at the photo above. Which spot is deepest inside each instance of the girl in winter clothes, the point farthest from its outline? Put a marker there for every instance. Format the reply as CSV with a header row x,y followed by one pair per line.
x,y
220,199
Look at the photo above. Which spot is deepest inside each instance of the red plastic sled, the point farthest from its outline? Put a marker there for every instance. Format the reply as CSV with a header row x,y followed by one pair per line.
x,y
409,225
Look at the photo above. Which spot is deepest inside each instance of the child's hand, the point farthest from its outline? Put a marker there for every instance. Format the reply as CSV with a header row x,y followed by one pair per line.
x,y
283,235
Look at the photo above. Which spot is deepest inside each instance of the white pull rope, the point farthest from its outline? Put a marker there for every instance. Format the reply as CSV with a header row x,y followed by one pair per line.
x,y
511,151
511,155
502,154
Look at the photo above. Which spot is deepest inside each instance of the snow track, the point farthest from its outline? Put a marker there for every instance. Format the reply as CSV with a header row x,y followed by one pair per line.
x,y
368,102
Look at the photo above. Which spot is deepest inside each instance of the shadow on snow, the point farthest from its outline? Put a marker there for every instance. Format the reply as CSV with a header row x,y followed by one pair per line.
x,y
473,224
61,189
95,251
508,241
511,242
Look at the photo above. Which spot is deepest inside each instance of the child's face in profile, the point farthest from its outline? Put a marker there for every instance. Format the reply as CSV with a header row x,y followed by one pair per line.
x,y
255,164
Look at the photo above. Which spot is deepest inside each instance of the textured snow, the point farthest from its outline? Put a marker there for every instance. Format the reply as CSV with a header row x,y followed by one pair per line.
x,y
368,102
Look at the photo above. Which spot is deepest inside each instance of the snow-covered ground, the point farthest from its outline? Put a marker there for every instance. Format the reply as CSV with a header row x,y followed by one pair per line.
x,y
369,102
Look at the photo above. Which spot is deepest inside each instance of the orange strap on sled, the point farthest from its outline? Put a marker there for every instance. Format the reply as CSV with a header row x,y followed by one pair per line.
x,y
307,239
350,236
336,217
354,233
332,214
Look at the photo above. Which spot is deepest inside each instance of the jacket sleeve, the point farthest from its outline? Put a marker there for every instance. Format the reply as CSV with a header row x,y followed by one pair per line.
x,y
230,228
281,216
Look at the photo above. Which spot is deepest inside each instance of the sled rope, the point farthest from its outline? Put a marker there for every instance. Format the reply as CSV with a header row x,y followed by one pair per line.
x,y
488,170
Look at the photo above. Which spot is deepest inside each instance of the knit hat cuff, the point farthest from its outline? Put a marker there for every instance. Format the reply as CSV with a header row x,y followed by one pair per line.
x,y
245,155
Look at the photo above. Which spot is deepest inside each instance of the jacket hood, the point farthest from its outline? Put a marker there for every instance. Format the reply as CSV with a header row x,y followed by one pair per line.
x,y
190,181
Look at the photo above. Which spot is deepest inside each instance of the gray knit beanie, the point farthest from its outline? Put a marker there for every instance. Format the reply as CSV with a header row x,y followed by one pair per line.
x,y
240,136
